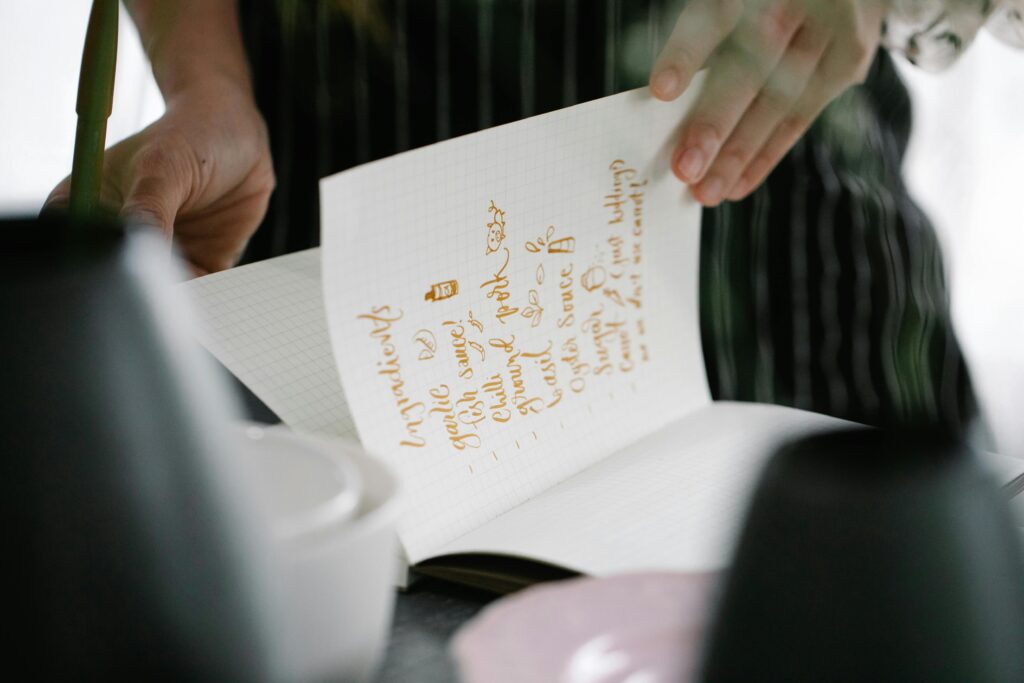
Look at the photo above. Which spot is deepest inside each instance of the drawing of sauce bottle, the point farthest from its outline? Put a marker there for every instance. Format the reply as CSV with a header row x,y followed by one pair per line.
x,y
566,245
442,290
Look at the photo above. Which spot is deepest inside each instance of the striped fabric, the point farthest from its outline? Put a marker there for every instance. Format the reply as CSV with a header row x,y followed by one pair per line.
x,y
824,290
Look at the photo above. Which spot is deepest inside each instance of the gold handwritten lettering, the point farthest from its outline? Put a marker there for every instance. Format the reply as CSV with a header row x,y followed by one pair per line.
x,y
495,387
461,346
383,318
571,357
499,291
568,318
442,405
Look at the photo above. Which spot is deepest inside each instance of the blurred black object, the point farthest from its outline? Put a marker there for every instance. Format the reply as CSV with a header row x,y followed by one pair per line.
x,y
127,562
871,556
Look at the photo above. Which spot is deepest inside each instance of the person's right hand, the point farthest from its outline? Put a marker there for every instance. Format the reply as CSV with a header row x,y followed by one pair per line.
x,y
773,67
201,174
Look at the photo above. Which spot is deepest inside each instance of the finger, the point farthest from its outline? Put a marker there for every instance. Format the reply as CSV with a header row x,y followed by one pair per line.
x,y
844,64
819,94
733,82
58,199
210,242
159,187
702,26
779,96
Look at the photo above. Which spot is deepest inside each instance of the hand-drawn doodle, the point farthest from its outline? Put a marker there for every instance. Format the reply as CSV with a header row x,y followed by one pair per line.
x,y
594,278
427,343
534,312
471,320
442,290
565,245
548,243
495,228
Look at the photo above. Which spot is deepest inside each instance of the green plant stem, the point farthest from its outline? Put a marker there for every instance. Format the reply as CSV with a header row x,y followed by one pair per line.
x,y
95,102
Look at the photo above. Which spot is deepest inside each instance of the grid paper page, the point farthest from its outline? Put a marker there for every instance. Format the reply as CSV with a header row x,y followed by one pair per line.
x,y
694,479
670,502
510,307
266,323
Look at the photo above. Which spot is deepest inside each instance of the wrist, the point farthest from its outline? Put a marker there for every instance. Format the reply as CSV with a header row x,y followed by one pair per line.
x,y
215,97
207,82
192,44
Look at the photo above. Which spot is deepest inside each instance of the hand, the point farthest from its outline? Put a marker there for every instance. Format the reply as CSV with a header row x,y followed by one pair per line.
x,y
774,65
201,174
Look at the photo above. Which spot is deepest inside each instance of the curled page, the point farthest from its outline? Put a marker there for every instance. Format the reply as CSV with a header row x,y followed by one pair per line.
x,y
508,308
266,323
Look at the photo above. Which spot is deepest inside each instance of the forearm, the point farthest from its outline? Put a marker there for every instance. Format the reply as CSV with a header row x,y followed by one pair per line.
x,y
192,43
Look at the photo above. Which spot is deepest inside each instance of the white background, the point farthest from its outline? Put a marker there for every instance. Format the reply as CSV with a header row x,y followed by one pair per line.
x,y
40,50
966,168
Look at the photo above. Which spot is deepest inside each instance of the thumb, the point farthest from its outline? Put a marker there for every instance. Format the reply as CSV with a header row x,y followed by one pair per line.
x,y
154,200
58,199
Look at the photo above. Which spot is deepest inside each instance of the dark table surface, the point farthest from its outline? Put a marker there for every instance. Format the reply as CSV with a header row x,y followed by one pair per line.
x,y
426,618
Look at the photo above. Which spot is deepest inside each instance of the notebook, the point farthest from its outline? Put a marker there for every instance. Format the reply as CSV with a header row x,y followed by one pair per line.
x,y
510,320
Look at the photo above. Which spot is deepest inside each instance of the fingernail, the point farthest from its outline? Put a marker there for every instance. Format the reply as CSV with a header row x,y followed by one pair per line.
x,y
144,218
691,164
712,189
666,84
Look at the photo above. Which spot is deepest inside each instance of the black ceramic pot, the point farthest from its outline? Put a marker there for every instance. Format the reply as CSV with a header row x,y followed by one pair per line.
x,y
871,556
128,560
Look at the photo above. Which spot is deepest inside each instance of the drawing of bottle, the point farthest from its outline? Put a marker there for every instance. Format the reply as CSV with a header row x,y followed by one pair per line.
x,y
594,278
566,245
442,290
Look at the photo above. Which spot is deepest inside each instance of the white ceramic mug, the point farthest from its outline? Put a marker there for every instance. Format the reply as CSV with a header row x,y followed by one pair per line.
x,y
332,515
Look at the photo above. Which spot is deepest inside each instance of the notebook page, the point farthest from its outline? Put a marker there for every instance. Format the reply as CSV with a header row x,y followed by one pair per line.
x,y
266,323
673,501
509,307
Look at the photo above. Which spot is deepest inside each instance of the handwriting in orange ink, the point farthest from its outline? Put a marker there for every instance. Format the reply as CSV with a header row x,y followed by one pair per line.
x,y
442,406
498,290
383,318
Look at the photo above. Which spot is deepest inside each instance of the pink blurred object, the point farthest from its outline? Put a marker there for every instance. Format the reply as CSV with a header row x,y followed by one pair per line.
x,y
633,628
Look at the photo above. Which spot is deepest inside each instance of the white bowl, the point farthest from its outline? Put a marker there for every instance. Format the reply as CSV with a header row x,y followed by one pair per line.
x,y
308,487
336,560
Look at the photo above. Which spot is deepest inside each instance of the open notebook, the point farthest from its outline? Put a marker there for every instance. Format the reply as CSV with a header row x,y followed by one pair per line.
x,y
510,320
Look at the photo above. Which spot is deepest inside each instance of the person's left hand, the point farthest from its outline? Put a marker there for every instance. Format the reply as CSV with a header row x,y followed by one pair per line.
x,y
202,174
774,65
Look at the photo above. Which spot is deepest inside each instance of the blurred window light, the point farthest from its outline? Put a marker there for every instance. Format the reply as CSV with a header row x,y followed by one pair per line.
x,y
40,50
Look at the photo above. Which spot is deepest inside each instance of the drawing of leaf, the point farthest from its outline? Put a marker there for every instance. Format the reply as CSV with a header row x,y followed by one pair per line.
x,y
536,310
